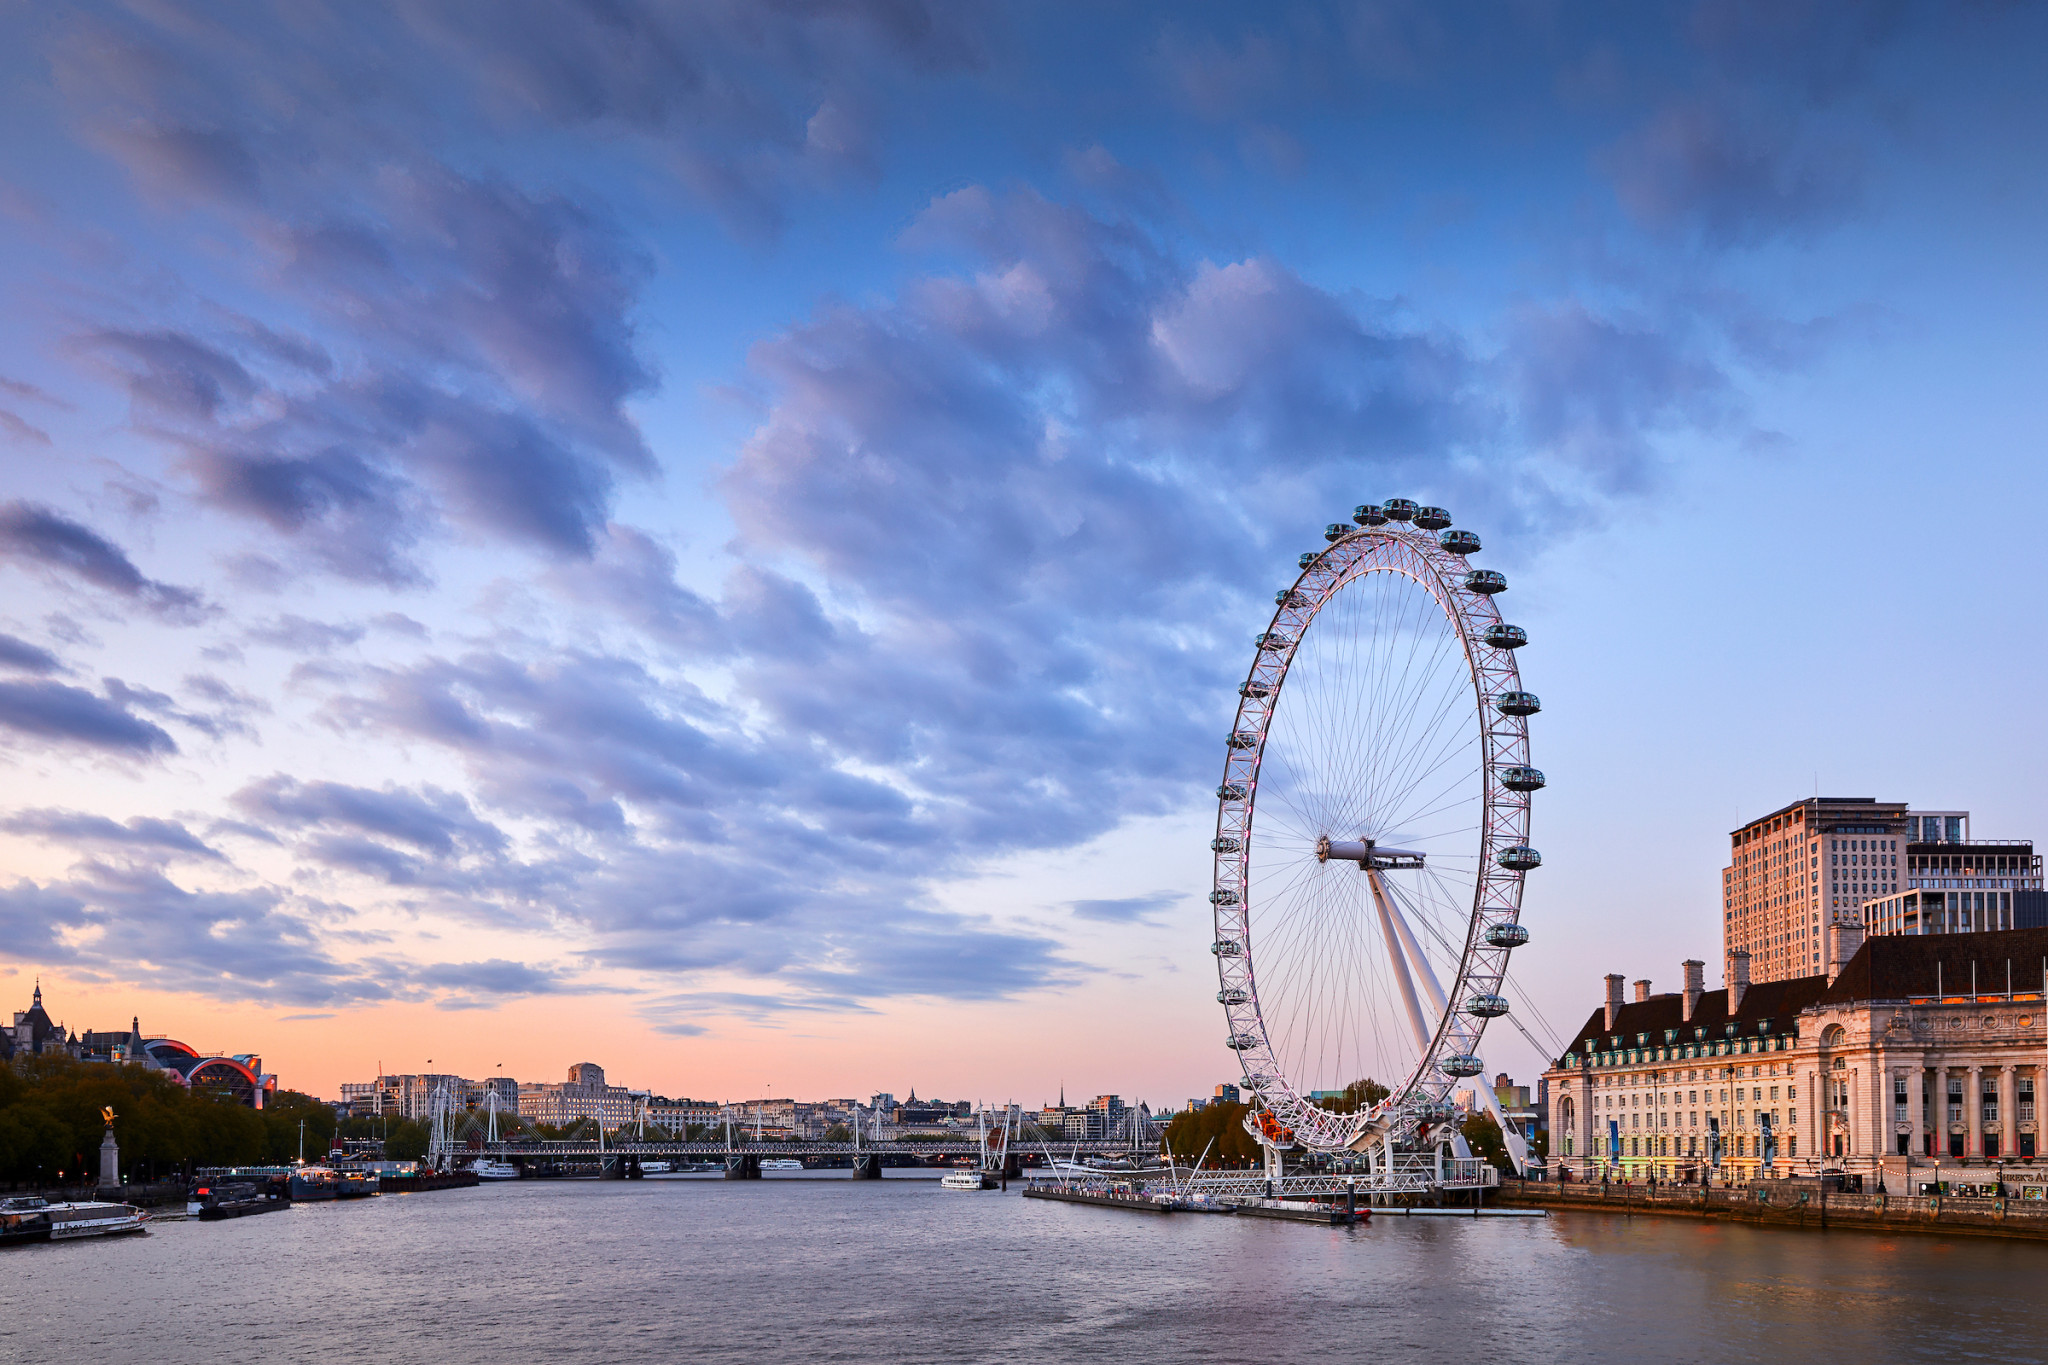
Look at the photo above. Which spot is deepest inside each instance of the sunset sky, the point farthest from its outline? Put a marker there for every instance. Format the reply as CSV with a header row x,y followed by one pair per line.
x,y
719,539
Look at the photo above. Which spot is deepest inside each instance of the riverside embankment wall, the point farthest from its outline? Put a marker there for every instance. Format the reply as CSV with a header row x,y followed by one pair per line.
x,y
1769,1206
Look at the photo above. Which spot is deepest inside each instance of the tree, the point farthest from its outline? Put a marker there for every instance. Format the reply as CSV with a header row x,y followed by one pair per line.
x,y
407,1141
1482,1134
281,1118
1218,1128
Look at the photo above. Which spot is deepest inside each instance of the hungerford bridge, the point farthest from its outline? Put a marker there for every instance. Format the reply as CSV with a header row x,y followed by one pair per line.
x,y
1002,1144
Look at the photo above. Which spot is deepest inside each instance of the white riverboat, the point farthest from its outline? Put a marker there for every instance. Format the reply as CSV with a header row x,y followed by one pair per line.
x,y
33,1219
964,1180
487,1169
781,1163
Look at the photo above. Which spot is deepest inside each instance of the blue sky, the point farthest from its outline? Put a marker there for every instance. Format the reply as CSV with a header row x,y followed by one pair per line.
x,y
737,524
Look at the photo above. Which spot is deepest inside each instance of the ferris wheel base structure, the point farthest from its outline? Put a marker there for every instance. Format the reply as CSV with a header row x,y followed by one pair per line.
x,y
1372,841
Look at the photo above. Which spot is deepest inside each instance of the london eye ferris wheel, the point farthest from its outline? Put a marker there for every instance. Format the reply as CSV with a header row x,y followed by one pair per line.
x,y
1372,834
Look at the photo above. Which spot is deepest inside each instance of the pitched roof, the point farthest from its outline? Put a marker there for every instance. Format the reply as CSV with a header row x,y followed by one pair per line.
x,y
1776,1001
1889,967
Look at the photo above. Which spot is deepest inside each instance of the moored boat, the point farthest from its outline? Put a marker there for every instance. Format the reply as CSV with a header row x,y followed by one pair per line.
x,y
487,1169
355,1184
964,1180
315,1182
781,1163
214,1202
30,1219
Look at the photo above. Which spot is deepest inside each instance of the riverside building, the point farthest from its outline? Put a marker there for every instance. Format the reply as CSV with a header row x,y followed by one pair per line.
x,y
585,1095
1908,1059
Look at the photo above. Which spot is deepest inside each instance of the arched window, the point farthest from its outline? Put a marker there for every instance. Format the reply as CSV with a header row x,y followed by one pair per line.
x,y
1834,1036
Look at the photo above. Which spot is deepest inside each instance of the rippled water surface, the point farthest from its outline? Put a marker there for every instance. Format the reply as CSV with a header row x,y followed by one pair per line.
x,y
823,1268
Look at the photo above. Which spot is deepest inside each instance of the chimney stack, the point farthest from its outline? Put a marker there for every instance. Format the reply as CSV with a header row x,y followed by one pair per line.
x,y
1844,938
1738,977
1614,980
1695,986
1642,990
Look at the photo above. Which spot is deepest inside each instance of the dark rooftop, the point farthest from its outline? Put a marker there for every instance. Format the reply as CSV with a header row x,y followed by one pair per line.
x,y
1896,966
1890,967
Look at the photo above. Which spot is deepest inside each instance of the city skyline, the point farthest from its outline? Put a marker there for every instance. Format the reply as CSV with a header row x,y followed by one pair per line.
x,y
757,571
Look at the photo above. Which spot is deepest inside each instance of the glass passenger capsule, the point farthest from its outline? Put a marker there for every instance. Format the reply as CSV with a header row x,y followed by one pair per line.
x,y
1504,636
1288,597
1336,531
1227,947
1230,791
1242,739
1308,557
1486,1006
1234,995
1272,639
1435,1111
1488,581
1225,845
1506,935
1399,509
1519,858
1432,518
1242,1042
1254,689
1522,779
1517,704
1460,1064
1369,514
1457,542
1223,898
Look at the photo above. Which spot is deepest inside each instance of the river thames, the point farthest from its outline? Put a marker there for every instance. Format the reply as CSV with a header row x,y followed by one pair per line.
x,y
826,1268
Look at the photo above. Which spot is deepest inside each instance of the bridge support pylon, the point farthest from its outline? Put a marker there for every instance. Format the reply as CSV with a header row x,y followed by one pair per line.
x,y
867,1166
611,1168
745,1166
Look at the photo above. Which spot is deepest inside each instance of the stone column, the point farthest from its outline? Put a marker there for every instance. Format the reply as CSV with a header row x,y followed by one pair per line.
x,y
1916,1109
2008,1114
1973,1113
110,1162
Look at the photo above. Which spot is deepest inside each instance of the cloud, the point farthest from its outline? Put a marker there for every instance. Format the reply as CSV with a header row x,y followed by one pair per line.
x,y
250,945
1125,909
302,636
462,348
142,834
435,822
41,538
258,945
1738,175
48,711
19,654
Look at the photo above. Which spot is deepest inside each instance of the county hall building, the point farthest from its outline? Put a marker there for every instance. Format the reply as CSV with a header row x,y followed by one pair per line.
x,y
1910,1057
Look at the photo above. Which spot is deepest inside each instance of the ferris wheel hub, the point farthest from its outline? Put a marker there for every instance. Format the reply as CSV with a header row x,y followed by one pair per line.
x,y
1367,853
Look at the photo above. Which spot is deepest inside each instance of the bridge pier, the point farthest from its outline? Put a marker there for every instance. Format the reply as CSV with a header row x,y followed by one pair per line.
x,y
743,1166
611,1168
633,1171
867,1166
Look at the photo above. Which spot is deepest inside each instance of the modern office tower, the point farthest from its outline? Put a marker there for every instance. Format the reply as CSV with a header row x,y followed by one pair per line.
x,y
1802,867
1958,885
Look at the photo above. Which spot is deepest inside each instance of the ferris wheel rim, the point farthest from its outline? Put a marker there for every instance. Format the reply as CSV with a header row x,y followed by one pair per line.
x,y
1439,566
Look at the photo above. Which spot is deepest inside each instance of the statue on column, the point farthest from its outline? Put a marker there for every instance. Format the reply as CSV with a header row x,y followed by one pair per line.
x,y
110,1155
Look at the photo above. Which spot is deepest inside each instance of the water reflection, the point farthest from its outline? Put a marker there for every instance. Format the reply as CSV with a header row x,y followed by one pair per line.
x,y
832,1269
